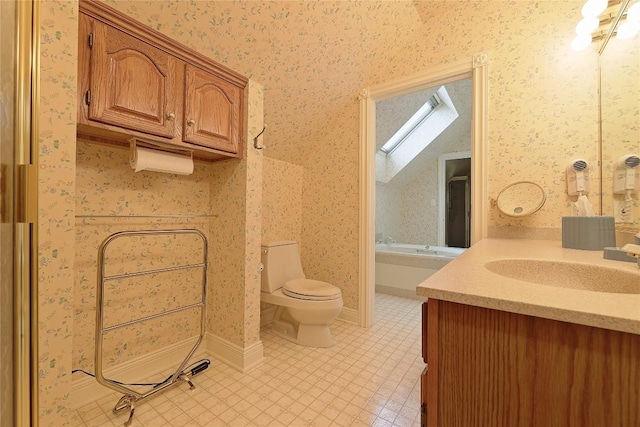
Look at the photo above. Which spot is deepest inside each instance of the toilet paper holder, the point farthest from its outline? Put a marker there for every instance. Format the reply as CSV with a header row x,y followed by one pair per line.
x,y
156,145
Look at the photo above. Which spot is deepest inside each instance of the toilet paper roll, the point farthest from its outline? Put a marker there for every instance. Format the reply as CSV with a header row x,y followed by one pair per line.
x,y
147,159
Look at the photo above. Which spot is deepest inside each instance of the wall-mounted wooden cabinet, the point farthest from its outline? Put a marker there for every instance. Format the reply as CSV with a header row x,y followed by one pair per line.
x,y
211,111
136,82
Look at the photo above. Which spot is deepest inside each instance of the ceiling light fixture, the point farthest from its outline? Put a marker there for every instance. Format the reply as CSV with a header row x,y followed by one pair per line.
x,y
593,8
629,28
589,24
603,18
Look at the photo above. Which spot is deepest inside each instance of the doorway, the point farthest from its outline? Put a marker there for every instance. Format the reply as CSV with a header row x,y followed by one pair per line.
x,y
454,195
475,68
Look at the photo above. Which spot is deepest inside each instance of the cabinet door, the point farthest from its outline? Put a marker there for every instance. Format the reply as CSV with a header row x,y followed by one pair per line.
x,y
211,111
132,83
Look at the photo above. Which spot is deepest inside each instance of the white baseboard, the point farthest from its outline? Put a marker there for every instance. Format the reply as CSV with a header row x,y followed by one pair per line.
x,y
85,389
242,359
349,315
399,292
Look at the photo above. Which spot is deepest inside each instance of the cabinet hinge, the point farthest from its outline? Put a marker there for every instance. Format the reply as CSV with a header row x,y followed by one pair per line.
x,y
90,40
88,97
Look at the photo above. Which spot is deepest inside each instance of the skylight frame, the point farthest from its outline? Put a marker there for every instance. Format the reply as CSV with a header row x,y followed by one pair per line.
x,y
416,120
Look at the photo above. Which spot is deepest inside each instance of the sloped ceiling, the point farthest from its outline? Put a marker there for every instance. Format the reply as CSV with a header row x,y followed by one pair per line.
x,y
392,113
312,57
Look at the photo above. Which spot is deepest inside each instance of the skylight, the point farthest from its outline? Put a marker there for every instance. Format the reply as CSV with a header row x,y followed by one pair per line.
x,y
416,120
423,128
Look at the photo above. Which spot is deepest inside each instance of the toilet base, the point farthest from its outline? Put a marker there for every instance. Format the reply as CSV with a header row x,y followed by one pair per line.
x,y
288,328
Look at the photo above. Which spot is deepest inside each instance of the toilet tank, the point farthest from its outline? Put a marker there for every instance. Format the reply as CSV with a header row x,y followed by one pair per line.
x,y
281,261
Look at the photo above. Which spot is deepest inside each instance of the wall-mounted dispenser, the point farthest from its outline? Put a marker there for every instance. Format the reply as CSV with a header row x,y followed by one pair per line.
x,y
578,177
627,174
626,181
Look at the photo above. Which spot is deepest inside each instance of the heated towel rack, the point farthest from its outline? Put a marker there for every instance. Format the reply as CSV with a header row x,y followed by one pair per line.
x,y
130,396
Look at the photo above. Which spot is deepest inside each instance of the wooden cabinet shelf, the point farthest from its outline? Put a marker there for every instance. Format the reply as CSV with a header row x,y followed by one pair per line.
x,y
135,82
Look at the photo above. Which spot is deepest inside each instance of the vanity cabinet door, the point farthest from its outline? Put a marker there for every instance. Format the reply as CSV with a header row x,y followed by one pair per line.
x,y
211,111
132,84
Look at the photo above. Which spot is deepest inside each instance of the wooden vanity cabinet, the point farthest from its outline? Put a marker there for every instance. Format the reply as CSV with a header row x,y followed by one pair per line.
x,y
493,368
135,82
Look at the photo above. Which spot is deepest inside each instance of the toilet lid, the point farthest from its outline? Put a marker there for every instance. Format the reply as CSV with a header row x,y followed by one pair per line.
x,y
311,290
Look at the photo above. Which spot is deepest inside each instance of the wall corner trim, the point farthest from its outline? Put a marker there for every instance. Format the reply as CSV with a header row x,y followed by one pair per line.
x,y
349,315
241,358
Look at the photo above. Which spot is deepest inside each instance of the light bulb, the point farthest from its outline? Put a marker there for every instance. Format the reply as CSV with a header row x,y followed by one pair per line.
x,y
627,30
581,42
633,14
587,25
593,8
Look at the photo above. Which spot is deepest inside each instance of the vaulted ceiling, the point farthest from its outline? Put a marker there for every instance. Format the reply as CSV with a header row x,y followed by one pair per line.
x,y
312,57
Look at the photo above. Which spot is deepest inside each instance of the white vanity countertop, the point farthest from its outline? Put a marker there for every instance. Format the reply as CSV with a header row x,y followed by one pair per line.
x,y
465,280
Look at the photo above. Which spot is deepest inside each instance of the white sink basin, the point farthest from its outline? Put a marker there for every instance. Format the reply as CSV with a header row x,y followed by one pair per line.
x,y
568,275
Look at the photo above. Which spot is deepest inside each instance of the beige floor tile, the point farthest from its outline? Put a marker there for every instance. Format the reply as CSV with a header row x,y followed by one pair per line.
x,y
367,417
251,412
90,411
296,407
309,415
262,420
402,421
370,377
205,418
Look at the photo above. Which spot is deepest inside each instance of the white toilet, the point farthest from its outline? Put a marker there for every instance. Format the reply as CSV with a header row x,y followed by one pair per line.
x,y
305,307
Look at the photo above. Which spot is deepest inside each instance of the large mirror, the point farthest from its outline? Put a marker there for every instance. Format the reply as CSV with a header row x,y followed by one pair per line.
x,y
620,129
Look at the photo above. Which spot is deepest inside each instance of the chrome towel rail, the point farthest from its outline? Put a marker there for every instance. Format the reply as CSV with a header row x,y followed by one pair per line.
x,y
131,397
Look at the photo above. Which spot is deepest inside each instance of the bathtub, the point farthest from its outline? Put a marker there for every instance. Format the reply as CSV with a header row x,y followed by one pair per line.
x,y
401,267
419,250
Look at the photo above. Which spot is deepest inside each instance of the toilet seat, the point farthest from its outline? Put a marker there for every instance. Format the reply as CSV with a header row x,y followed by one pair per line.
x,y
313,290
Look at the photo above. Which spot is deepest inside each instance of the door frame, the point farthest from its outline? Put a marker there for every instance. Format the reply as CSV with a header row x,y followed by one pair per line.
x,y
25,316
442,190
476,68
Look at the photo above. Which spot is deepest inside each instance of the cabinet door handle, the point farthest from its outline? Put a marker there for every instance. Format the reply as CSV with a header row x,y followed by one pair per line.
x,y
171,116
191,122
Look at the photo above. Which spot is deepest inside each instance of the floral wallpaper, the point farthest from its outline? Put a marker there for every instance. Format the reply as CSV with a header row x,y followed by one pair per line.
x,y
56,205
388,211
106,185
313,115
236,195
281,201
313,59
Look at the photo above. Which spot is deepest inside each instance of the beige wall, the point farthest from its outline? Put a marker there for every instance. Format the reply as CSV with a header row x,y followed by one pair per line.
x,y
542,96
281,201
56,200
106,185
542,113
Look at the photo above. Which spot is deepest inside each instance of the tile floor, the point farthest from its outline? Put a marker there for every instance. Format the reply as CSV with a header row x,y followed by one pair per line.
x,y
370,377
